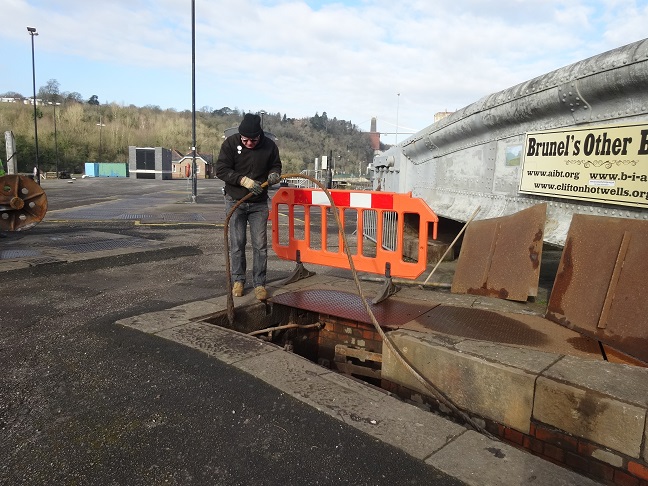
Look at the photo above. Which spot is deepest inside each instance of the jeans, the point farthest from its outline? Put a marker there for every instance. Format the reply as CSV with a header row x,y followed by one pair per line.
x,y
256,215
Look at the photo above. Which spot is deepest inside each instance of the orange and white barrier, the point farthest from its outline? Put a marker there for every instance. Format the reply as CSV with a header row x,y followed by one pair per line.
x,y
301,219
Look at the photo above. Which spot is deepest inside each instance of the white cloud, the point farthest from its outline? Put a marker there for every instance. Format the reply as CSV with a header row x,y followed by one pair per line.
x,y
349,59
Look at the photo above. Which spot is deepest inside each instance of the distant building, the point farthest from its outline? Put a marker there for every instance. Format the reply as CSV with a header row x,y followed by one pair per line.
x,y
374,136
204,166
106,169
25,101
150,163
162,164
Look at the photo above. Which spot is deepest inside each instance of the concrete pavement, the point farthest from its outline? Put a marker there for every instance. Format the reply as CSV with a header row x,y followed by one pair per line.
x,y
445,445
431,448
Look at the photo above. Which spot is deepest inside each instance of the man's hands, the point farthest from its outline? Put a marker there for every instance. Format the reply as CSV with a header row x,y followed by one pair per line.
x,y
253,186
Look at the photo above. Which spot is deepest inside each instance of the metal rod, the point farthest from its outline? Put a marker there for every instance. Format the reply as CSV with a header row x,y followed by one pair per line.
x,y
194,181
401,281
56,143
452,244
32,33
100,125
285,326
397,107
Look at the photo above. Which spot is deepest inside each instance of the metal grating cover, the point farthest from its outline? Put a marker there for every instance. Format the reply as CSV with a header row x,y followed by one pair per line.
x,y
67,240
93,214
178,217
506,328
133,216
389,313
12,254
175,217
484,325
105,245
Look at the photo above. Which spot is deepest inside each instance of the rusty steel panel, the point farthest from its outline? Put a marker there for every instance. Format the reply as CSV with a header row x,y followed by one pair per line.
x,y
391,313
520,330
500,257
599,289
23,203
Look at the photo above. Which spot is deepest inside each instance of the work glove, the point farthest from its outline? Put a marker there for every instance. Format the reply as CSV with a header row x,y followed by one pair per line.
x,y
273,178
251,185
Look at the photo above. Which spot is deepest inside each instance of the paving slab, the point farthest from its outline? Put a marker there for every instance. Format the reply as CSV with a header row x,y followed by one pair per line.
x,y
417,432
480,461
222,344
441,443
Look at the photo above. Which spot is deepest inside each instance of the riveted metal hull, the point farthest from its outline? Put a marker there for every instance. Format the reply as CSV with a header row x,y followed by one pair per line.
x,y
460,162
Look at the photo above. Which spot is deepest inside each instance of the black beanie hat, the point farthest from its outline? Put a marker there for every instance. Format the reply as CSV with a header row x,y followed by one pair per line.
x,y
250,126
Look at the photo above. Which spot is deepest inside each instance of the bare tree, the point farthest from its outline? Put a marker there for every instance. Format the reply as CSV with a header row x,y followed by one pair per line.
x,y
50,92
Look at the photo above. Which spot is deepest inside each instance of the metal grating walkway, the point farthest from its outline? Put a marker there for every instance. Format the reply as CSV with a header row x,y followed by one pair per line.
x,y
392,312
14,254
105,245
520,330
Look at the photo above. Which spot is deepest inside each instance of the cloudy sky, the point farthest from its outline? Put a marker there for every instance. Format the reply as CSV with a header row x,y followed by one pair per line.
x,y
400,61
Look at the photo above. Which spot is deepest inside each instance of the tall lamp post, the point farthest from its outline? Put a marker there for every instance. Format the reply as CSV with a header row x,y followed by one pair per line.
x,y
194,167
100,125
32,33
54,104
397,107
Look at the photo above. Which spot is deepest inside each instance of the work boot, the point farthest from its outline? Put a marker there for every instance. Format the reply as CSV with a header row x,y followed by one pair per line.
x,y
237,290
260,293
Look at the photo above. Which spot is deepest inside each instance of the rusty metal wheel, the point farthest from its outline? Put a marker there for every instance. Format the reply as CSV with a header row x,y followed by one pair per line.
x,y
23,203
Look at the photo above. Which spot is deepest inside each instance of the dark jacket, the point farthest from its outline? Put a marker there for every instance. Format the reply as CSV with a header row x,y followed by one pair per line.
x,y
235,161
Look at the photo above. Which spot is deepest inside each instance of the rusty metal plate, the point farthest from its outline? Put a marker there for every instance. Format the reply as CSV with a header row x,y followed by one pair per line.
x,y
600,286
23,203
500,257
520,330
390,313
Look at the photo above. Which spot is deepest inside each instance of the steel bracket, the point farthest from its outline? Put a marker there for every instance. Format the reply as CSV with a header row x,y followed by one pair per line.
x,y
298,273
388,288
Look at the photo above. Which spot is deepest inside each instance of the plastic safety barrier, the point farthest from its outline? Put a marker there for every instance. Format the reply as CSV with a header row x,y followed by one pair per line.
x,y
304,229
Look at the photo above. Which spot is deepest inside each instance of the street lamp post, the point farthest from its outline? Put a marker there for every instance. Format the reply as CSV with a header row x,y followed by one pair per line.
x,y
54,104
100,125
194,166
397,107
32,33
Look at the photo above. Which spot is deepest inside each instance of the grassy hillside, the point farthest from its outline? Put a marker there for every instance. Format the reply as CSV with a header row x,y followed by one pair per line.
x,y
80,139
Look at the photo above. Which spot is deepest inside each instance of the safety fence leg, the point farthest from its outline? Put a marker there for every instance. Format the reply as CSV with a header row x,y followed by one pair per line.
x,y
298,273
388,287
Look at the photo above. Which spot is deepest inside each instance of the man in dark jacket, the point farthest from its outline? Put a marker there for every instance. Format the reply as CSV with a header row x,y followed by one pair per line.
x,y
245,161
